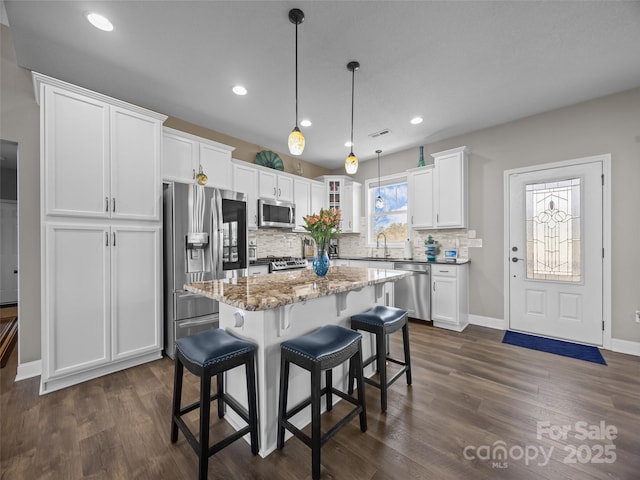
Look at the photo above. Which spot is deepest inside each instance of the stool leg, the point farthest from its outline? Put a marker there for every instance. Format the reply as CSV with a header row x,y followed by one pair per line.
x,y
220,382
316,443
407,354
284,391
381,353
205,416
359,370
351,378
177,397
329,383
253,408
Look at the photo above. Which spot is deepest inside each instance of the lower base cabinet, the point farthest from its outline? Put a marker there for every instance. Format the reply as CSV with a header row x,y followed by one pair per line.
x,y
102,300
449,296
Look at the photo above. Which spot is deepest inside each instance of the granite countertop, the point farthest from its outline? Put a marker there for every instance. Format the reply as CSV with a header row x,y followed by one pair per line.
x,y
459,261
264,292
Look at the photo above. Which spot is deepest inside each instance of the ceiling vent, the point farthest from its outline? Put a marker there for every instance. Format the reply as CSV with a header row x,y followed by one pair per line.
x,y
380,133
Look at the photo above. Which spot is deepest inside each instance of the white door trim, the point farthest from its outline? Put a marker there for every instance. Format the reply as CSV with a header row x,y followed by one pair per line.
x,y
605,159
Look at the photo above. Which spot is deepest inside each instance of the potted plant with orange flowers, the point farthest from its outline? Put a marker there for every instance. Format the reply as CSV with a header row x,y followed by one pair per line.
x,y
322,227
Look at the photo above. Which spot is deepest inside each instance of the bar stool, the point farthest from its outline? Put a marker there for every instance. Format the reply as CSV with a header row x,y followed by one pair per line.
x,y
207,354
382,321
319,351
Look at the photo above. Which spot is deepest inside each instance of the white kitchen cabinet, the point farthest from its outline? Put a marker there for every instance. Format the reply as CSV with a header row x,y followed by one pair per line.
x,y
275,186
450,188
101,260
421,197
302,199
100,157
184,154
449,296
245,180
102,291
344,194
318,197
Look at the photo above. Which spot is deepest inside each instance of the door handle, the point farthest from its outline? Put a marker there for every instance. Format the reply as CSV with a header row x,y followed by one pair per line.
x,y
515,259
106,204
113,208
114,239
106,239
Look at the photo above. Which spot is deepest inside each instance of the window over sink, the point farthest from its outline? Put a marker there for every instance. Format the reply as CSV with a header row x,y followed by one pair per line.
x,y
391,218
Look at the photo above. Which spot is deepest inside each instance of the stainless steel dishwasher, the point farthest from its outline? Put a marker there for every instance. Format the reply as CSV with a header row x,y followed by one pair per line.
x,y
413,293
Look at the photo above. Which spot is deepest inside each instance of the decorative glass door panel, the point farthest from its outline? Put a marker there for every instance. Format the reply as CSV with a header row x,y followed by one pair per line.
x,y
553,235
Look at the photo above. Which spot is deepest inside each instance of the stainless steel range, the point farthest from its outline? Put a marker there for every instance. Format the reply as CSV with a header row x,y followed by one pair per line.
x,y
278,264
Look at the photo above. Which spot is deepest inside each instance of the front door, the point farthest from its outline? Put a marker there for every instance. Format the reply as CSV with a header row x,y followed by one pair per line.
x,y
556,250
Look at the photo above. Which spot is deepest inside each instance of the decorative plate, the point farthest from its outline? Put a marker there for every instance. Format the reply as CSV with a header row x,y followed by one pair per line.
x,y
267,158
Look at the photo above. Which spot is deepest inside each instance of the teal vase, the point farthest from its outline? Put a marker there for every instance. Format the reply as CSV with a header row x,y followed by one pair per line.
x,y
321,262
421,157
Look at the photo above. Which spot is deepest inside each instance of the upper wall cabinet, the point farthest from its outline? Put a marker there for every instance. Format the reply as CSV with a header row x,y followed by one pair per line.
x,y
100,157
421,197
450,188
343,193
438,192
183,155
275,186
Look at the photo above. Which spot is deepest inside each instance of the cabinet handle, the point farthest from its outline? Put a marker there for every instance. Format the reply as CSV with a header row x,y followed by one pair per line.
x,y
255,219
194,174
106,204
279,192
411,219
444,271
437,217
106,239
274,191
114,239
434,286
113,204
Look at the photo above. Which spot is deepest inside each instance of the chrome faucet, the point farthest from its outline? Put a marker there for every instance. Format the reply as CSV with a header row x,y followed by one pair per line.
x,y
386,252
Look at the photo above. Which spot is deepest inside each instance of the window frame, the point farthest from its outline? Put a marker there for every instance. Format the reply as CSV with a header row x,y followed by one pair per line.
x,y
370,186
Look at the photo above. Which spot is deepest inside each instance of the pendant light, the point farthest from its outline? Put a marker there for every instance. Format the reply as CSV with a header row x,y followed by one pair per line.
x,y
351,163
379,199
296,138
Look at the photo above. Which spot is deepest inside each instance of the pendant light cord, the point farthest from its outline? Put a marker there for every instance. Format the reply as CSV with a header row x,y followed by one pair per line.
x,y
353,81
296,74
379,172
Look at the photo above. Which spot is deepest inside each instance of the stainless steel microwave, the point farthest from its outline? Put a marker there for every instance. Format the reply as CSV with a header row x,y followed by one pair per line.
x,y
276,214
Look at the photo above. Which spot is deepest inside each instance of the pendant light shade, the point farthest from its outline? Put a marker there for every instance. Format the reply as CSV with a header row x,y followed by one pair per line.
x,y
296,138
379,199
351,163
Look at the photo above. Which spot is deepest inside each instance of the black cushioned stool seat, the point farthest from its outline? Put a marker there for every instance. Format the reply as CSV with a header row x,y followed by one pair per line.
x,y
320,351
207,354
382,321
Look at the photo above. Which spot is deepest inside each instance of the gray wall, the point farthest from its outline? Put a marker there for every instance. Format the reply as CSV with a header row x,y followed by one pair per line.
x,y
19,122
606,125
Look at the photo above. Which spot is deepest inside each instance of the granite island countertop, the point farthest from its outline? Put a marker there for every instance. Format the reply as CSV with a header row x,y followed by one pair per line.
x,y
265,292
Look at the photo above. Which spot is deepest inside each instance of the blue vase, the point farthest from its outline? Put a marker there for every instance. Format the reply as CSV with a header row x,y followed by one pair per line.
x,y
321,263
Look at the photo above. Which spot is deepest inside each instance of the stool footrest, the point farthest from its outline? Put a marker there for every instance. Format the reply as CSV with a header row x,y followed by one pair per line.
x,y
225,442
395,377
195,405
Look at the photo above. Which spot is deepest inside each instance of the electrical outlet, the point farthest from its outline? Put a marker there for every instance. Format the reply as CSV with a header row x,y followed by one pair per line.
x,y
637,316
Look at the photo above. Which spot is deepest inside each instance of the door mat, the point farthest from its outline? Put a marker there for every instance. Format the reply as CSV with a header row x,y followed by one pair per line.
x,y
558,347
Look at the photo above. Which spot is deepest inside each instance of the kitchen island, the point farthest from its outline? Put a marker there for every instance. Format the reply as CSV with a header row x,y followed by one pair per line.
x,y
269,309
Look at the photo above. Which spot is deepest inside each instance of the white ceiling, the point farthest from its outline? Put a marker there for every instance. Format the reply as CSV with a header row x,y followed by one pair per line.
x,y
462,65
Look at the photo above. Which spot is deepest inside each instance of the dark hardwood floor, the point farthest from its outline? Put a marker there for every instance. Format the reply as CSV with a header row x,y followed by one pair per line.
x,y
471,395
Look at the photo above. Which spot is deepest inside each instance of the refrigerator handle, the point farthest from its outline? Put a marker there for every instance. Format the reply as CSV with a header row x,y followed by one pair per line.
x,y
216,233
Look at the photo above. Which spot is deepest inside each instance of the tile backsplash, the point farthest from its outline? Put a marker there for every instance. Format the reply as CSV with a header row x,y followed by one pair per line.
x,y
356,245
279,243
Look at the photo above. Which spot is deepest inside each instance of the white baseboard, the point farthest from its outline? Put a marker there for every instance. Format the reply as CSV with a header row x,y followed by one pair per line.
x,y
29,370
490,322
625,346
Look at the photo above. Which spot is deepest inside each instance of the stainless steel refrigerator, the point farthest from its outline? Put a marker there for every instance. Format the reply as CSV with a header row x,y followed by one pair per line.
x,y
205,238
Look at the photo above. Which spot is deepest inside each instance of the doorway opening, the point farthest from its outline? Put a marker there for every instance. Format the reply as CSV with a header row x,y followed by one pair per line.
x,y
8,248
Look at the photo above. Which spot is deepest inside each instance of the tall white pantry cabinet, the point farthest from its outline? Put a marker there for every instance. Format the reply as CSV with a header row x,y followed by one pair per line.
x,y
100,169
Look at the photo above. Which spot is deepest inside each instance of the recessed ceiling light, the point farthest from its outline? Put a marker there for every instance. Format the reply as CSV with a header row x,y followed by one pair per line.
x,y
348,144
239,90
305,123
100,22
416,120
